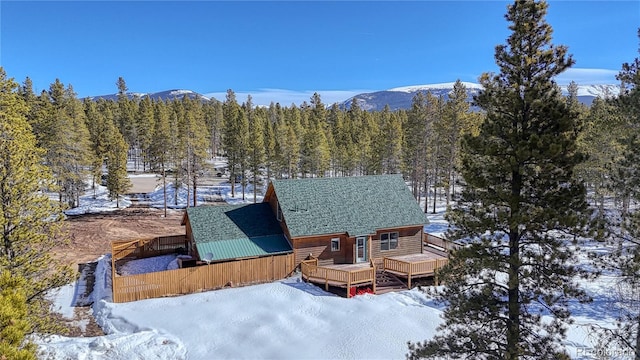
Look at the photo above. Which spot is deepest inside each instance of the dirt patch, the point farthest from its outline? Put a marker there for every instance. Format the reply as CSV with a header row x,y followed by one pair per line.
x,y
90,235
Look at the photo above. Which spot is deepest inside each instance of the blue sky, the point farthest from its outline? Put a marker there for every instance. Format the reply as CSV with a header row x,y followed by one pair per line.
x,y
285,51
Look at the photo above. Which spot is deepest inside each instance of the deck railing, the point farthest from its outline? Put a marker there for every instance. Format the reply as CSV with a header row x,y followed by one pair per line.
x,y
409,269
445,244
330,276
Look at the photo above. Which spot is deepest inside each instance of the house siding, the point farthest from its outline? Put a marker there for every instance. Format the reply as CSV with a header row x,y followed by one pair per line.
x,y
409,242
320,247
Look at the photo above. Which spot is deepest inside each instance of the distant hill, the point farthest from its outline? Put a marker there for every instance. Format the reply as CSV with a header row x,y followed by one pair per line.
x,y
401,97
162,95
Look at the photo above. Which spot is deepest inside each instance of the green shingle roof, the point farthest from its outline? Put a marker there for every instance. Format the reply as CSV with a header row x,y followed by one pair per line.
x,y
236,231
355,205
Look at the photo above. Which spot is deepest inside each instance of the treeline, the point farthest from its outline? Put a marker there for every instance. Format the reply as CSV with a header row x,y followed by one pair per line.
x,y
178,138
86,138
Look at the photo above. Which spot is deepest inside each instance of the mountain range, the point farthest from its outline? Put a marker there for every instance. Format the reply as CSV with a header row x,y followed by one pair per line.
x,y
402,97
396,98
162,95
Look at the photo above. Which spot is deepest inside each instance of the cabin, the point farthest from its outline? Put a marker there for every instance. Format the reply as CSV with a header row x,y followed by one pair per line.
x,y
347,220
347,232
353,234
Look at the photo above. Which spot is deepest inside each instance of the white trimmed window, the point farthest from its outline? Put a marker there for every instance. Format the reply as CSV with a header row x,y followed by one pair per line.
x,y
389,241
335,244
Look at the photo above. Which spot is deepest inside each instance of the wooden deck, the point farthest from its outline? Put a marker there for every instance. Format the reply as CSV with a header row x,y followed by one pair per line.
x,y
349,275
344,275
415,265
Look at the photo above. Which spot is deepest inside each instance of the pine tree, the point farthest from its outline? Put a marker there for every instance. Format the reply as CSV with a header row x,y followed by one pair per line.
x,y
270,139
625,175
31,226
117,178
389,142
519,211
454,124
13,319
126,120
194,133
145,122
59,125
336,119
235,137
256,146
160,148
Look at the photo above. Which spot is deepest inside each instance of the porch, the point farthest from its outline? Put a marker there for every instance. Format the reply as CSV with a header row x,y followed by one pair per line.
x,y
339,275
404,267
414,266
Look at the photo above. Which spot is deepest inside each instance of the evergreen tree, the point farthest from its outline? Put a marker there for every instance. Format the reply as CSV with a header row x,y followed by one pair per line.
x,y
390,141
160,149
626,177
519,211
117,178
213,117
270,138
235,137
341,139
256,146
145,122
195,142
126,120
454,124
31,226
315,156
60,128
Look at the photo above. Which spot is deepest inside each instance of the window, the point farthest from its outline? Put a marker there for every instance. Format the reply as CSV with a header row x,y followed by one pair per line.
x,y
335,244
279,212
388,241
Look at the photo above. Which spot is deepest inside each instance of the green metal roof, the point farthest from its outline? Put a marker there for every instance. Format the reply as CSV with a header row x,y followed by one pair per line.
x,y
236,231
357,205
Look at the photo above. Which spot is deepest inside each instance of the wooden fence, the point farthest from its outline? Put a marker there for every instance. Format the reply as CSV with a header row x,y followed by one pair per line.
x,y
330,276
415,268
200,278
144,248
441,243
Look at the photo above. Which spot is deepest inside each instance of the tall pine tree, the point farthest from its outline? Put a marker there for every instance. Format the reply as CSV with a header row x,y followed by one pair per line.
x,y
519,210
31,224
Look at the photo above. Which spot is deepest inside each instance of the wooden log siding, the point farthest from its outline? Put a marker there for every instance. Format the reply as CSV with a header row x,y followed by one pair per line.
x,y
409,269
201,278
409,242
320,247
348,278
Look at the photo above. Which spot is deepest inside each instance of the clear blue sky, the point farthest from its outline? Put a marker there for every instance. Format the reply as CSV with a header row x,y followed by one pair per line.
x,y
265,47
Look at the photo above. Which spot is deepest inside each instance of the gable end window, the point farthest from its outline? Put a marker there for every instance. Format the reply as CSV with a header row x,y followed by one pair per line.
x,y
389,241
335,244
279,212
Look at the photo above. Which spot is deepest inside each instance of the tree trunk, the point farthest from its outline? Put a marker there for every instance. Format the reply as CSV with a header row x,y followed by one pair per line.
x,y
164,189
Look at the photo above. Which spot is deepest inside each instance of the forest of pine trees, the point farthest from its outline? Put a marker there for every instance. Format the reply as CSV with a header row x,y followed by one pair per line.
x,y
93,139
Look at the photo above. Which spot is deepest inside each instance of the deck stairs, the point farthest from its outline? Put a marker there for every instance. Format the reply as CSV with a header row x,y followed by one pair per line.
x,y
387,282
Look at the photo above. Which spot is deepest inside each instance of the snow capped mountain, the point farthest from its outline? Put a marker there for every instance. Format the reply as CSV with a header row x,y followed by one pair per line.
x,y
401,97
162,95
440,86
